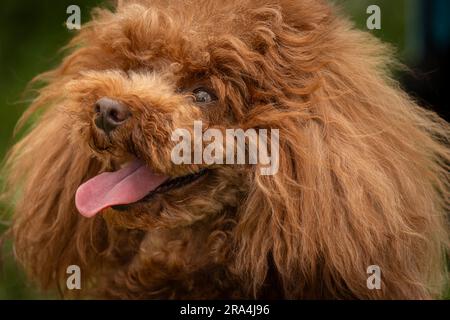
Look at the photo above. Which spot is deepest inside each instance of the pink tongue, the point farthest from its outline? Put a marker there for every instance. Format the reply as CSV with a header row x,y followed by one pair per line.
x,y
125,186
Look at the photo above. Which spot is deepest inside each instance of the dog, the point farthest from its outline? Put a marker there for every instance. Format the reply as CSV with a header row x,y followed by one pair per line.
x,y
362,179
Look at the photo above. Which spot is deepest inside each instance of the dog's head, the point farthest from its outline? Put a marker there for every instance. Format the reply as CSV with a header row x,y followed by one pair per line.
x,y
105,142
148,70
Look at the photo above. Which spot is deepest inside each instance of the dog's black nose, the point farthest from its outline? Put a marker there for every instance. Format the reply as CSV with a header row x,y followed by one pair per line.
x,y
110,114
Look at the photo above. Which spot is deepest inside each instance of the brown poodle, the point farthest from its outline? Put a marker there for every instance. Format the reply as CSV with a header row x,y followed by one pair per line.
x,y
363,173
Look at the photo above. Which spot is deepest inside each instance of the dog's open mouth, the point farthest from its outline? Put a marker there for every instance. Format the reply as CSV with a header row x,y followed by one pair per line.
x,y
129,185
165,187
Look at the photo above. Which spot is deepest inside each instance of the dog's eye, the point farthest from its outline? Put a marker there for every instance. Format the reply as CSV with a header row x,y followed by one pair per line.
x,y
203,96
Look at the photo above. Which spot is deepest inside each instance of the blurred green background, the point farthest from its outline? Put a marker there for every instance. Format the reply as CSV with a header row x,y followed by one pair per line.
x,y
32,32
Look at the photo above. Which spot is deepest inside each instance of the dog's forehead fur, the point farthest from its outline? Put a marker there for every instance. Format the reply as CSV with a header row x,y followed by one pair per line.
x,y
195,34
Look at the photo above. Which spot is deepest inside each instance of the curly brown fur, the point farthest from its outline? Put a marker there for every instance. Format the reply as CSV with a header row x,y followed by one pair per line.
x,y
363,176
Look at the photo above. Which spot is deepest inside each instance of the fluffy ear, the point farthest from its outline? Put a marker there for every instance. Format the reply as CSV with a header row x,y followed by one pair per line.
x,y
363,177
44,170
